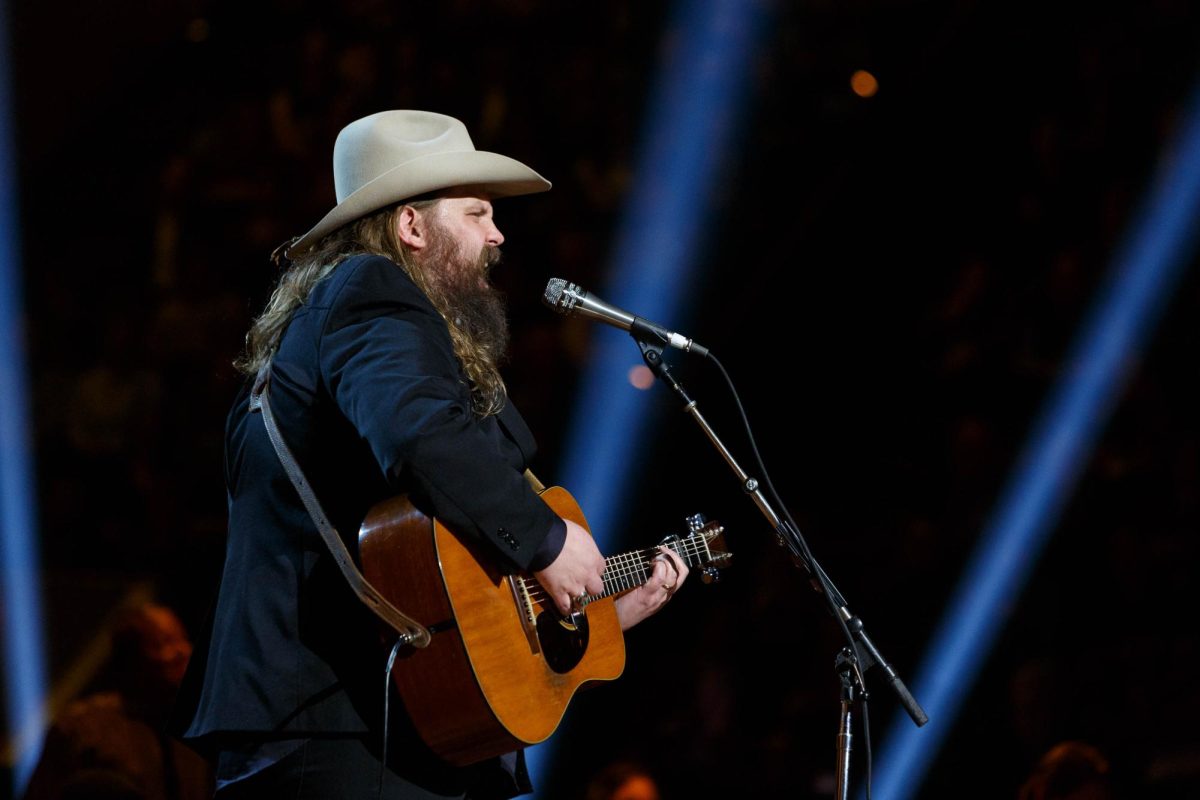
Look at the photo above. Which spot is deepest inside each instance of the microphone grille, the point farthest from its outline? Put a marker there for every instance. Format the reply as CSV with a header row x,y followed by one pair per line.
x,y
558,295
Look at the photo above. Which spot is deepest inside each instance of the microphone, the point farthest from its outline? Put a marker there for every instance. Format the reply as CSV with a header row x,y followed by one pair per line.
x,y
568,298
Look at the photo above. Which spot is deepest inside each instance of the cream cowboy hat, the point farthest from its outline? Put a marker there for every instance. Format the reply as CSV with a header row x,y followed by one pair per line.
x,y
397,155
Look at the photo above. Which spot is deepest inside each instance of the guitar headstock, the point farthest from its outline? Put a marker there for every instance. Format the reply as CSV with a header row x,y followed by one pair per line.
x,y
703,548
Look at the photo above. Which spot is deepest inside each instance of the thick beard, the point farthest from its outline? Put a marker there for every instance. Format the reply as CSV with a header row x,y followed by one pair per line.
x,y
465,297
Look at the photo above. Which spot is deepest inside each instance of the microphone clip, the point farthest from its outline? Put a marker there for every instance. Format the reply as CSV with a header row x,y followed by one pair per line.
x,y
652,354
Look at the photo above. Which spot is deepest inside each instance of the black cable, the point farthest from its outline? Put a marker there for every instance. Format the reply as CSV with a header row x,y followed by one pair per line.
x,y
866,726
387,694
817,572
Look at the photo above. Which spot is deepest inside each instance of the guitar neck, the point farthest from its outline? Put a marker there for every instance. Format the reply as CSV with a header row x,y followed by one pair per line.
x,y
628,571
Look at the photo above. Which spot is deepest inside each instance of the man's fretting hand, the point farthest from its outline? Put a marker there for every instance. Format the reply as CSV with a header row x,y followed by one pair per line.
x,y
668,573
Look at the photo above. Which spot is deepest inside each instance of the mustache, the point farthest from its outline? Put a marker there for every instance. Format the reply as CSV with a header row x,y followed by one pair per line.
x,y
490,257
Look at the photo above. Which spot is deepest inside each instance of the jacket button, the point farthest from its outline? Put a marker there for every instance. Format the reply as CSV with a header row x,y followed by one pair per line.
x,y
508,537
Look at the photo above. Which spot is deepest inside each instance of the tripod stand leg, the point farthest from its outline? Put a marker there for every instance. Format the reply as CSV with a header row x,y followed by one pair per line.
x,y
845,729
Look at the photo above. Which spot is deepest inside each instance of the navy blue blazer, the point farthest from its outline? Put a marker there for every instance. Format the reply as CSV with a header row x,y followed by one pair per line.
x,y
372,401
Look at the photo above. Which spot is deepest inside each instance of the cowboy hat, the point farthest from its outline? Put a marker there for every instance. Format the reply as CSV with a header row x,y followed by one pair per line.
x,y
398,155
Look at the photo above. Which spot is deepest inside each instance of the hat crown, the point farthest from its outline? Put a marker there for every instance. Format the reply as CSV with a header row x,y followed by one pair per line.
x,y
369,147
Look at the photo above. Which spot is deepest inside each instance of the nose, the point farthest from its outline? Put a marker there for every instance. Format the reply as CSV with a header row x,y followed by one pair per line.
x,y
495,238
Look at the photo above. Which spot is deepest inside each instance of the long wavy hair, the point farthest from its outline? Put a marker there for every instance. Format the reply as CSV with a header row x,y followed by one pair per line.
x,y
374,234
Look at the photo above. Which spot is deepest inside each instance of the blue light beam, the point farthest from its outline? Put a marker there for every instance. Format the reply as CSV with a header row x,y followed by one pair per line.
x,y
1147,266
695,109
24,667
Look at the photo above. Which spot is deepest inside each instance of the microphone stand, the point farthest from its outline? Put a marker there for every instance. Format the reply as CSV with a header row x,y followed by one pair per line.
x,y
852,662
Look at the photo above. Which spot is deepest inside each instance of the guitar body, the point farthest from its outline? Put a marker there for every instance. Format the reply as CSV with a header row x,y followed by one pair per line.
x,y
501,667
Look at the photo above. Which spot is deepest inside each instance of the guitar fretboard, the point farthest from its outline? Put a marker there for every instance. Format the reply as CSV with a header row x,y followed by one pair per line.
x,y
628,571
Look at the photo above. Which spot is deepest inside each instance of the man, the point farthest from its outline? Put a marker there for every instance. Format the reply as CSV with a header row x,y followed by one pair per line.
x,y
381,345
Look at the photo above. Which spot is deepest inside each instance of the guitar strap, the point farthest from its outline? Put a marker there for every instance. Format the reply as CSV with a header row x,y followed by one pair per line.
x,y
533,481
411,631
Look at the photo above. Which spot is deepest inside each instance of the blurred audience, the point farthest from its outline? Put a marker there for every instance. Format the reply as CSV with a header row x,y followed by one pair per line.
x,y
1070,771
111,745
623,780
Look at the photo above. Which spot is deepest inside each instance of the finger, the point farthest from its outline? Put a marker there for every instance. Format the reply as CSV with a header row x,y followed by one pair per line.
x,y
563,601
661,577
675,561
666,556
665,581
681,568
678,567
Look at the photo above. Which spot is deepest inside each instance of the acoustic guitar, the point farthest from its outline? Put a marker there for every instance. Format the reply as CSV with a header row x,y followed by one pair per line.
x,y
502,664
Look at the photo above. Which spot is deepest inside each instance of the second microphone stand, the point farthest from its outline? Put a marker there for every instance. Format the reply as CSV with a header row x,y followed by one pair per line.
x,y
852,662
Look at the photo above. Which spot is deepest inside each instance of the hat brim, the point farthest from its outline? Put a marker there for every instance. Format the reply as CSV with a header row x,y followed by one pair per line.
x,y
489,174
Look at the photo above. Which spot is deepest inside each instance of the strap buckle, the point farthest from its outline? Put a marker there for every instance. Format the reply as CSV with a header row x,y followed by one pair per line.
x,y
261,381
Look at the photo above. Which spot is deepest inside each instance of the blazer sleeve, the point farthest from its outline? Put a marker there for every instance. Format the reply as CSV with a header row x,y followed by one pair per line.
x,y
386,357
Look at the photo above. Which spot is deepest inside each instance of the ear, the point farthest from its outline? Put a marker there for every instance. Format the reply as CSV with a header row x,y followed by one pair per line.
x,y
411,227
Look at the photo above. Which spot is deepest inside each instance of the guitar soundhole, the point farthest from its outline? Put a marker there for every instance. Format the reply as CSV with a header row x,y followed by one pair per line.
x,y
564,639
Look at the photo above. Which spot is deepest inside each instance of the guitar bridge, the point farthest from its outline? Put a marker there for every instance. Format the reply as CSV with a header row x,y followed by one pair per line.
x,y
524,602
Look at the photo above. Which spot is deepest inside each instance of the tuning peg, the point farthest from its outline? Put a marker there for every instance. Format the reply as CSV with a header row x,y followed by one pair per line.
x,y
710,575
696,521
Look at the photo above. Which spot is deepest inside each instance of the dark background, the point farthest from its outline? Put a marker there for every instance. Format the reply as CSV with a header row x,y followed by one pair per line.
x,y
891,281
